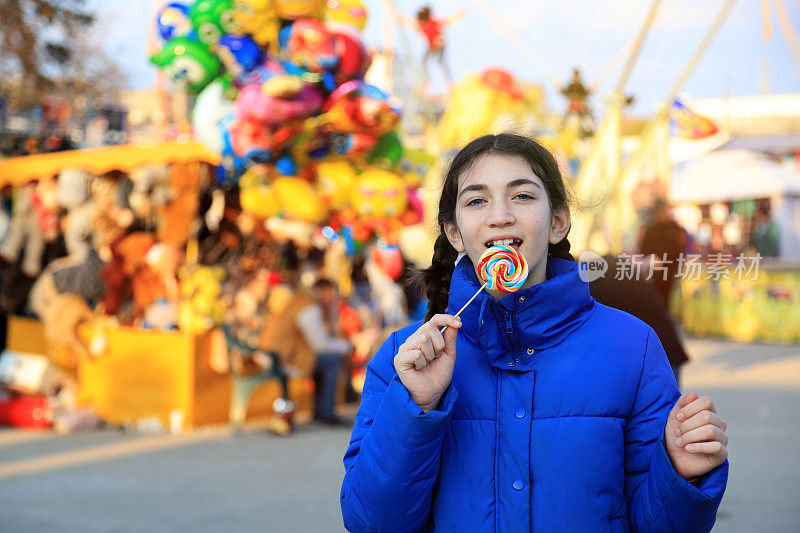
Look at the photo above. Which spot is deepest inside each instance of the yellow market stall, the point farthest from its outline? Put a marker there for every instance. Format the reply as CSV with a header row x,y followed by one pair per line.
x,y
141,377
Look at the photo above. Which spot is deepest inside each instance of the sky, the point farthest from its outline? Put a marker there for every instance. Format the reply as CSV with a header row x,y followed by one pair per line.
x,y
561,34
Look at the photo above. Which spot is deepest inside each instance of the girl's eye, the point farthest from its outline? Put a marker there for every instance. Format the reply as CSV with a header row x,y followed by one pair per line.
x,y
525,196
474,201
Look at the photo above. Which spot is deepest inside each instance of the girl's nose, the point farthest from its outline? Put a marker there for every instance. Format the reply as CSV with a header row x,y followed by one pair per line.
x,y
500,215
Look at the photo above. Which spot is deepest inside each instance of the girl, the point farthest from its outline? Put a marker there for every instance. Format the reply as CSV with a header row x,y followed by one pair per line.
x,y
556,414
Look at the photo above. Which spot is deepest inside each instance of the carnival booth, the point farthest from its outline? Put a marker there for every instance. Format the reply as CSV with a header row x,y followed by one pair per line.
x,y
736,204
142,376
301,174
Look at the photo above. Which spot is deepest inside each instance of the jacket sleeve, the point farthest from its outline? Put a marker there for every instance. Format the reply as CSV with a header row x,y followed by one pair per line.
x,y
392,462
660,499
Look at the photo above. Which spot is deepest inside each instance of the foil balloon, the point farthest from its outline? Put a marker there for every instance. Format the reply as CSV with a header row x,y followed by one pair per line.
x,y
335,181
240,55
299,199
311,45
350,13
356,107
173,21
298,9
187,62
387,151
379,194
210,108
212,19
280,99
389,259
257,18
256,196
352,58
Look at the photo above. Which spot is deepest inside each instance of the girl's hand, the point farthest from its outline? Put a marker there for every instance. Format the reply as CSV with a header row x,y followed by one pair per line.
x,y
695,436
424,363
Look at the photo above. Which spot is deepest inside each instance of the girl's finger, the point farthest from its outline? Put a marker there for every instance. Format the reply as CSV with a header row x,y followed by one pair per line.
x,y
405,360
707,448
426,346
702,434
421,361
702,418
436,338
440,321
700,404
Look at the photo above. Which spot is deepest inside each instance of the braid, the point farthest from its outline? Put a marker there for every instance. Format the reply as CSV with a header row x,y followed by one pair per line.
x,y
437,276
561,250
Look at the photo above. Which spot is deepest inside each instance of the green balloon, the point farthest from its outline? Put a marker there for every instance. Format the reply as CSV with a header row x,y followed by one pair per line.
x,y
187,62
387,152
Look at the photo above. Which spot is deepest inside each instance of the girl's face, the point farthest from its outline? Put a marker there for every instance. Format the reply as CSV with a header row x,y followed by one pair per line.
x,y
499,200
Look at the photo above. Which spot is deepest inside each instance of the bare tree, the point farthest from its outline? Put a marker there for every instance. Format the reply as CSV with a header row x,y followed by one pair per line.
x,y
38,38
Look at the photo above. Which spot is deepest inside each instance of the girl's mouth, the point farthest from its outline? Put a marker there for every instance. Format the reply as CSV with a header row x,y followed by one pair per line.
x,y
510,241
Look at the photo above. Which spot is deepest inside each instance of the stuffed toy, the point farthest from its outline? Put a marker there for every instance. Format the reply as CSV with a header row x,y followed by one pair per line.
x,y
178,216
73,196
25,236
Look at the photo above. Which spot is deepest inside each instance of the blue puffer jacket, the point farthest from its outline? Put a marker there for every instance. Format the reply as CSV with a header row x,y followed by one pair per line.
x,y
554,421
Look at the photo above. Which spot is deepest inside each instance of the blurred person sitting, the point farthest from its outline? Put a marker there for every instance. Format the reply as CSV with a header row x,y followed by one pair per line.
x,y
307,335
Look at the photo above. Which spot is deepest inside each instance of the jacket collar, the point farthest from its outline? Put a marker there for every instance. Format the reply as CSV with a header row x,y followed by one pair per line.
x,y
512,329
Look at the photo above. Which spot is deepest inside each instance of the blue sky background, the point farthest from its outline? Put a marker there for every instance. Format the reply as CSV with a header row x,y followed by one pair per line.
x,y
562,34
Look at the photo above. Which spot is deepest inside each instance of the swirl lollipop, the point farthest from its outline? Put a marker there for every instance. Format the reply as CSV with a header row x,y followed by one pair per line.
x,y
502,268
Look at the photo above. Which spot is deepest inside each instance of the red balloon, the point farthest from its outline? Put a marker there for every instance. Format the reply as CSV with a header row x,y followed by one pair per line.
x,y
389,259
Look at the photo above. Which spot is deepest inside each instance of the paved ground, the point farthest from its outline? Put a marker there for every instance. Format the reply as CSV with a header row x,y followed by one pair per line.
x,y
210,481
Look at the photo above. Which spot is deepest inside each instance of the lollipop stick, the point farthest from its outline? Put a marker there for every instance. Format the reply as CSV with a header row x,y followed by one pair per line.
x,y
466,304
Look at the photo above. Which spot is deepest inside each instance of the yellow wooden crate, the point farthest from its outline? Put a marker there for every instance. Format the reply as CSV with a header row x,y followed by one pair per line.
x,y
146,376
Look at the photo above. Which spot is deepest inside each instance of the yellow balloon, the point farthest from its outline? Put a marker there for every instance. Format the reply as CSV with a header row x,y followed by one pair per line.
x,y
380,193
335,181
299,9
299,199
350,12
260,201
257,18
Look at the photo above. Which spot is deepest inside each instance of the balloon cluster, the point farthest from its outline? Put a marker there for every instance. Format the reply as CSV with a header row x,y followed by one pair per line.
x,y
281,95
503,268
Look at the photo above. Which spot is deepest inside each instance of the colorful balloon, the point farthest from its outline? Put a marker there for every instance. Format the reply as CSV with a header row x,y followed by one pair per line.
x,y
312,46
187,62
173,21
335,181
350,13
257,18
299,199
503,268
379,194
239,54
256,196
299,9
212,19
210,108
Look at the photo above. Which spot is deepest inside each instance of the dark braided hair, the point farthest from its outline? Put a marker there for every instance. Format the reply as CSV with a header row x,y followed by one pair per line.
x,y
436,278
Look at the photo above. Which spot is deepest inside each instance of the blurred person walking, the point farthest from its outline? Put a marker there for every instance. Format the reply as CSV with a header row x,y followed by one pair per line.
x,y
663,240
640,299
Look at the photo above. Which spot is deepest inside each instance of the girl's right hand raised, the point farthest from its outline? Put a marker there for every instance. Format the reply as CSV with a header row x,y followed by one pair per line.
x,y
424,363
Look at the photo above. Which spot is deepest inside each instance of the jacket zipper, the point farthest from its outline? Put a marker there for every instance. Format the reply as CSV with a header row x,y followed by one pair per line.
x,y
510,333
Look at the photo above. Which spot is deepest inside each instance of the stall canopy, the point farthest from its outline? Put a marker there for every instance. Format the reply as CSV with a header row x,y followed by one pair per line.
x,y
727,175
18,170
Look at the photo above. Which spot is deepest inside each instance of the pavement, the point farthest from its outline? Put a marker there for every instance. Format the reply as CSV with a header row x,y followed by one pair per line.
x,y
209,480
